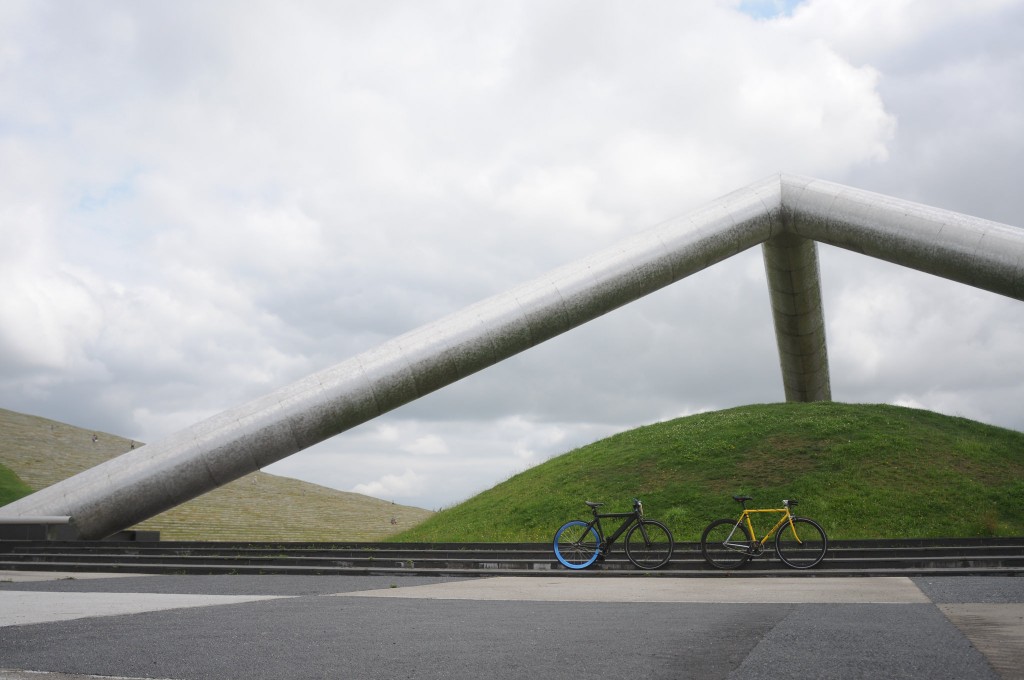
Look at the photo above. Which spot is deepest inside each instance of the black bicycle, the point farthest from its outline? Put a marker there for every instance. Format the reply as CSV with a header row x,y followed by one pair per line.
x,y
579,544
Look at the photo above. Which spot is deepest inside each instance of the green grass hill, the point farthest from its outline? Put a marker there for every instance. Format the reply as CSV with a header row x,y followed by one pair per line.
x,y
36,452
863,471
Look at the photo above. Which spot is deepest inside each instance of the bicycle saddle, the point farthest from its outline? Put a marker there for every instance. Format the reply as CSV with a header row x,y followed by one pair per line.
x,y
595,506
742,499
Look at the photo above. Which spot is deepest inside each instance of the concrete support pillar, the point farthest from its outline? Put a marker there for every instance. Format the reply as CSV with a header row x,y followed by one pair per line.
x,y
794,287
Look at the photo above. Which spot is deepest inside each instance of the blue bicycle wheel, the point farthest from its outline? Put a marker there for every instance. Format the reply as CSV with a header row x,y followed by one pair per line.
x,y
576,544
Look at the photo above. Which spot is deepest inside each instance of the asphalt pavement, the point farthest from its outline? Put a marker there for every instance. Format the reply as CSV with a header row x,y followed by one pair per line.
x,y
74,626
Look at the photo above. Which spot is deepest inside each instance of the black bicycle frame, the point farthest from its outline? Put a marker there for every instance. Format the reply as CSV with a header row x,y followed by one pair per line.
x,y
606,543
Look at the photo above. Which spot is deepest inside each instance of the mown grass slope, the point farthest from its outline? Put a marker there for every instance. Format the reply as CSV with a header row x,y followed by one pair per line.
x,y
863,471
258,507
11,486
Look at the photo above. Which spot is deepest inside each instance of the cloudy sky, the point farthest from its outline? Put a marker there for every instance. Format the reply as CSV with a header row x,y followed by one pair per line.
x,y
201,202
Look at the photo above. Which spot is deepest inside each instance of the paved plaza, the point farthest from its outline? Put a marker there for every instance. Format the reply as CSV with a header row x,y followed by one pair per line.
x,y
76,626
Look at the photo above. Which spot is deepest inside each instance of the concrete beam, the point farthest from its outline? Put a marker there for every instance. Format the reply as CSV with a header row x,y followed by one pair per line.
x,y
144,482
970,250
787,212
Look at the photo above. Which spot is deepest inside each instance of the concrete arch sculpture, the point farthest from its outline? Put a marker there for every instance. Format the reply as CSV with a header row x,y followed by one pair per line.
x,y
785,214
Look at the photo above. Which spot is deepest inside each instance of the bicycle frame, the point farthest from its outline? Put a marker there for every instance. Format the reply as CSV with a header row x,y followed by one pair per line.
x,y
787,518
606,543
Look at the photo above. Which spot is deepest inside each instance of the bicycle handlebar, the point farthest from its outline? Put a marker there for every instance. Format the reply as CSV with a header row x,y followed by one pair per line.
x,y
638,506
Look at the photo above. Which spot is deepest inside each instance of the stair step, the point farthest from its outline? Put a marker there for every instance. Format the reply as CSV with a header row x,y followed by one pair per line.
x,y
920,557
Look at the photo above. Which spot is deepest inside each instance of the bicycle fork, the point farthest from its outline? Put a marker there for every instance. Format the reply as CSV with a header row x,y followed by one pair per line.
x,y
792,528
643,532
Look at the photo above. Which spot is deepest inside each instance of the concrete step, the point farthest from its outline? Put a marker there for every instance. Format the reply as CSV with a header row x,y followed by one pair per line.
x,y
899,557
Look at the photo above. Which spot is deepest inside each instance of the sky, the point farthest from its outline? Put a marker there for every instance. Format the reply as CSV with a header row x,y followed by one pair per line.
x,y
203,202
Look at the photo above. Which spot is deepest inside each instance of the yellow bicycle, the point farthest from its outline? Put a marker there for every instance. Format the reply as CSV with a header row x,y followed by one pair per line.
x,y
730,543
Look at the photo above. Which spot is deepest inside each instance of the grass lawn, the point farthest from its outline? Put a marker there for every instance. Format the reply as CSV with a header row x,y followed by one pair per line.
x,y
11,486
862,471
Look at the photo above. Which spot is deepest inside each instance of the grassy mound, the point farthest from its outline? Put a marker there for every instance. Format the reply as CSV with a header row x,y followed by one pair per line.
x,y
11,486
863,471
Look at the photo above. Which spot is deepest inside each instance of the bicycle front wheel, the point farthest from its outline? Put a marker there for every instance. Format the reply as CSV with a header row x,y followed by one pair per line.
x,y
726,544
576,544
649,544
803,545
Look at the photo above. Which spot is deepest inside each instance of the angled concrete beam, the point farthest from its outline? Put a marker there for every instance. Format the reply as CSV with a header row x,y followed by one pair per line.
x,y
153,478
970,250
144,482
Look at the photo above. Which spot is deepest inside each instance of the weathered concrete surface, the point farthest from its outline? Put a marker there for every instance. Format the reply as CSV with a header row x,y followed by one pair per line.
x,y
505,629
148,480
794,289
18,608
789,590
970,250
997,630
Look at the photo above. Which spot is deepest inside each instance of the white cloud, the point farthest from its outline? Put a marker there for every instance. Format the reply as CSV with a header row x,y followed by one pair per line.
x,y
890,328
408,484
880,30
406,461
429,445
199,203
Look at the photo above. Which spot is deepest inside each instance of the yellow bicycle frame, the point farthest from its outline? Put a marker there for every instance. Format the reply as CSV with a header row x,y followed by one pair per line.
x,y
787,518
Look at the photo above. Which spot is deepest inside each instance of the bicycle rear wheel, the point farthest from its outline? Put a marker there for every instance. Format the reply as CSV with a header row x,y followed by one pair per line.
x,y
576,544
726,544
649,544
803,546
